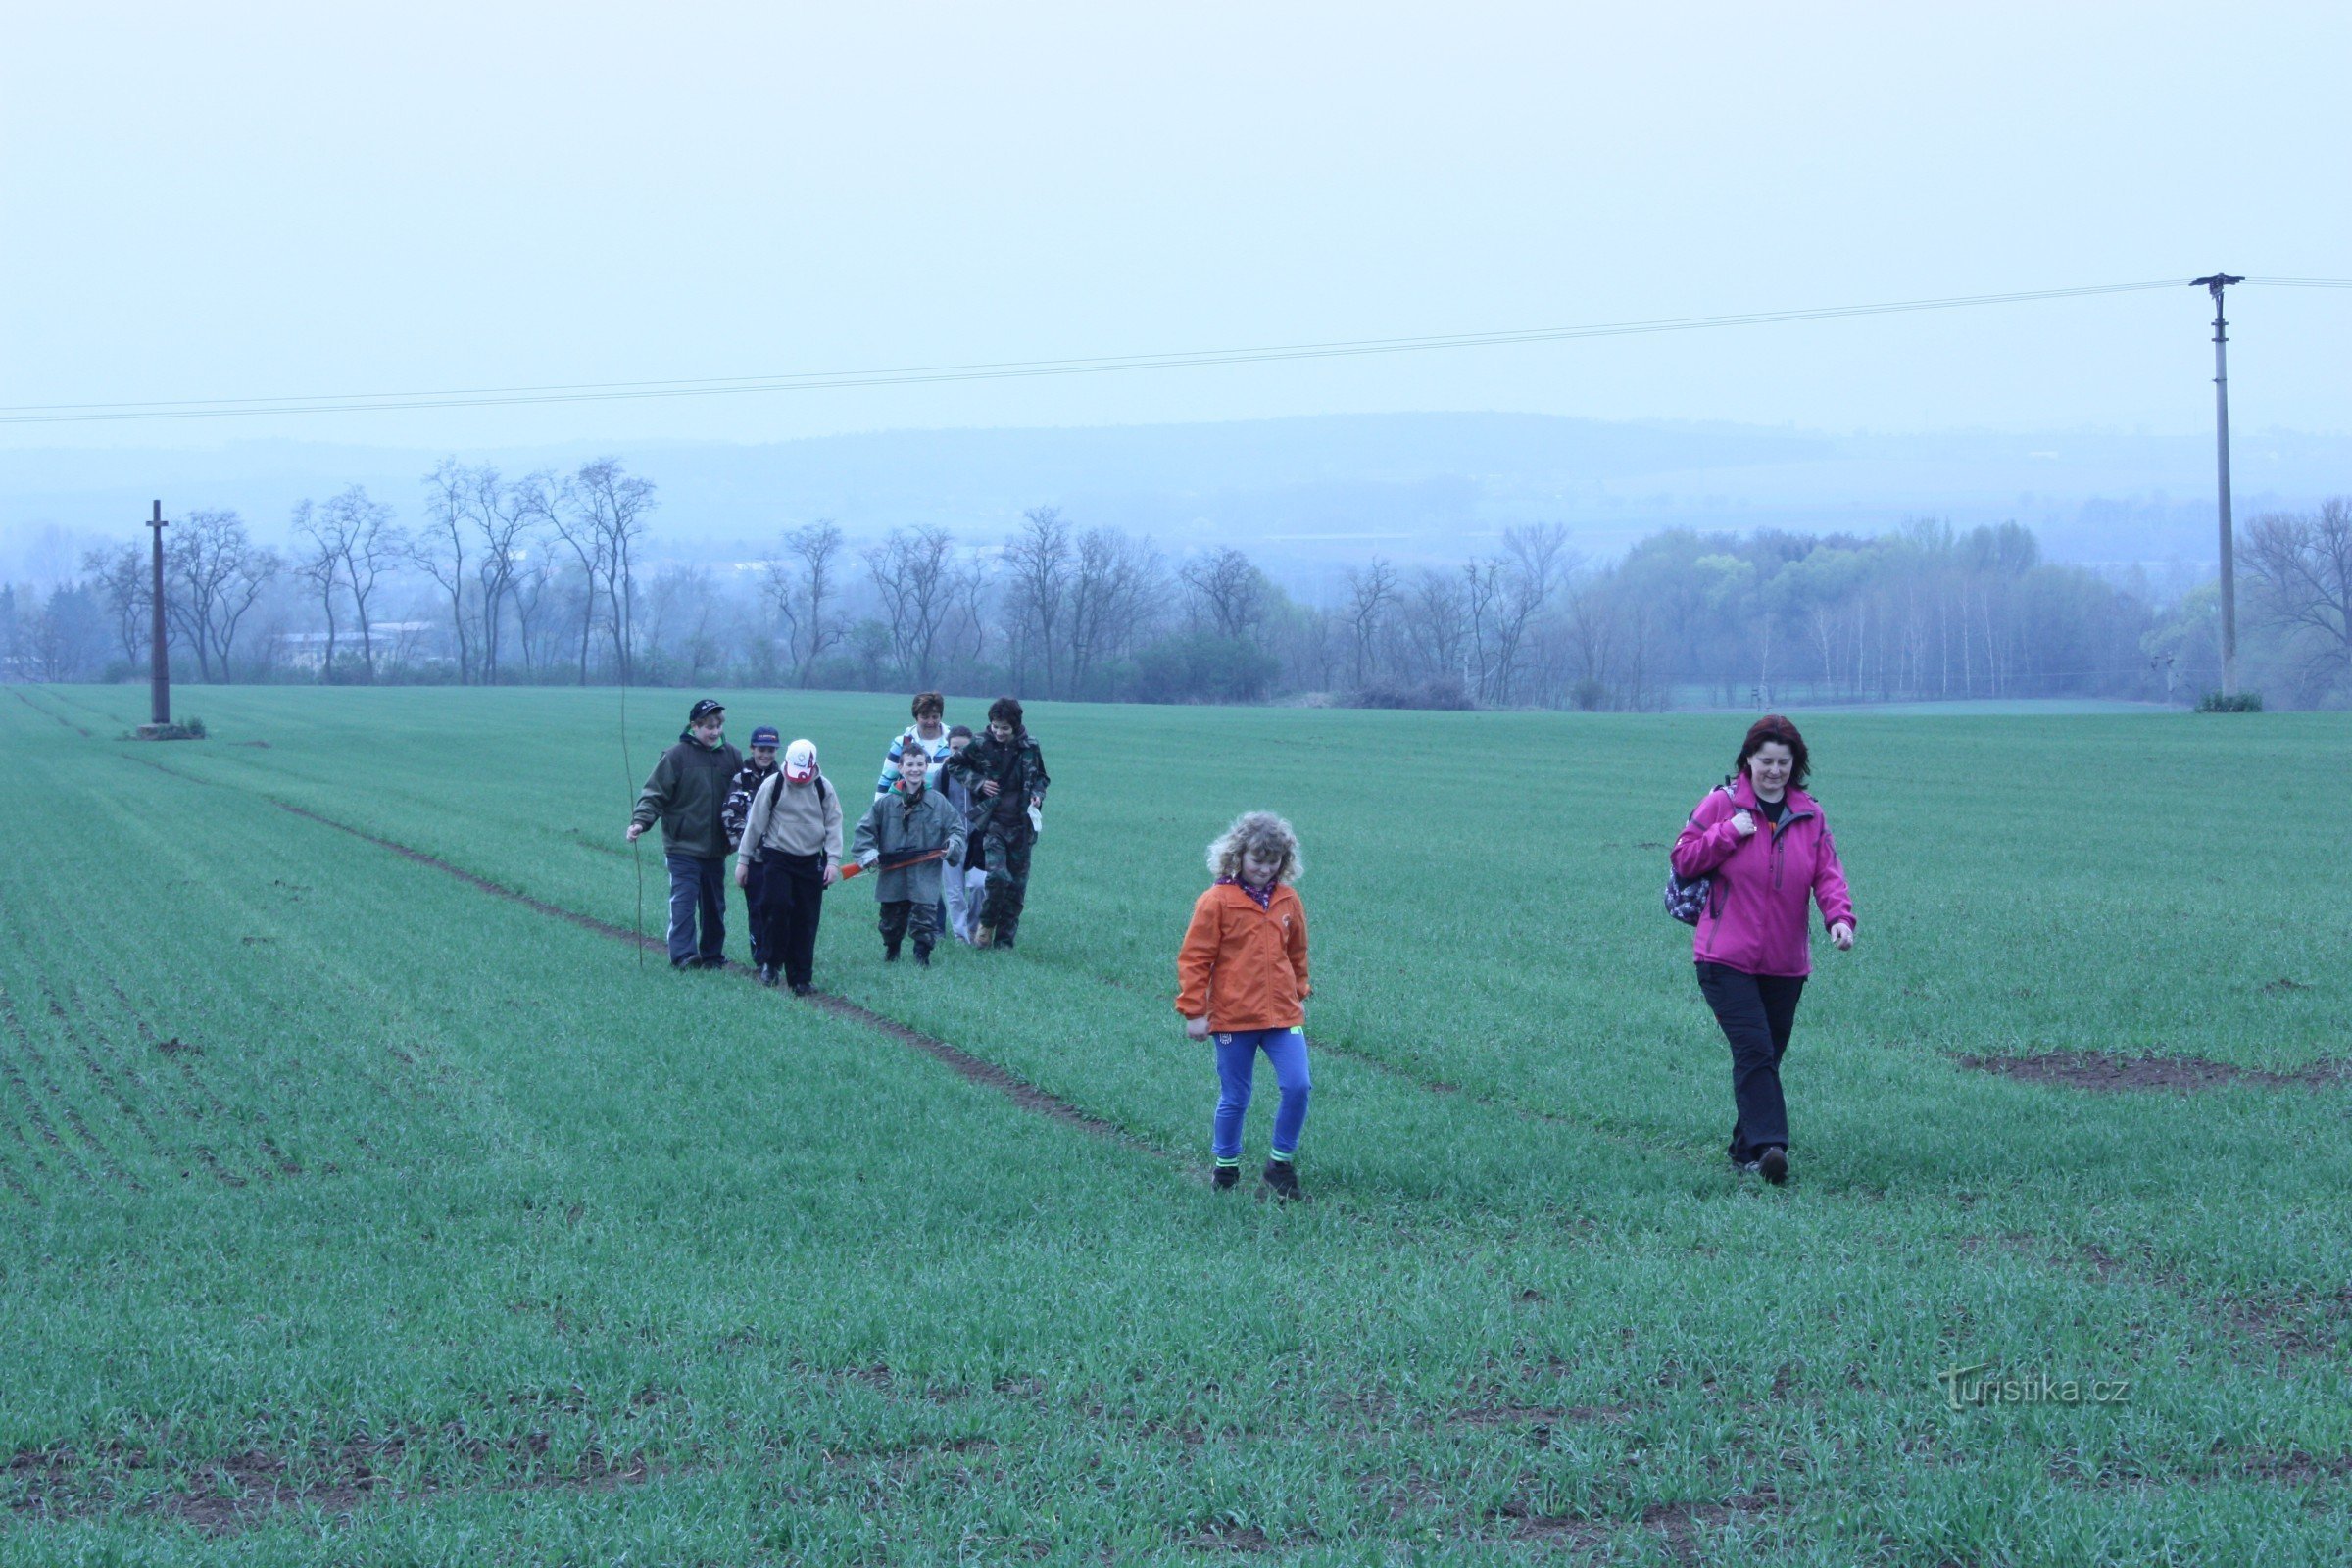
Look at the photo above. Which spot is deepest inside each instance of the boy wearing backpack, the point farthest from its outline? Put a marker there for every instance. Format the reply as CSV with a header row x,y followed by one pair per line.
x,y
792,836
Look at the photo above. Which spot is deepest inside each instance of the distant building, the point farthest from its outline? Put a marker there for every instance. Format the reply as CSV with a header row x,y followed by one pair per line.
x,y
396,643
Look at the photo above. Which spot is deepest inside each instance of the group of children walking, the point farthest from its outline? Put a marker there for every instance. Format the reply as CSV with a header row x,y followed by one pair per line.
x,y
954,816
948,836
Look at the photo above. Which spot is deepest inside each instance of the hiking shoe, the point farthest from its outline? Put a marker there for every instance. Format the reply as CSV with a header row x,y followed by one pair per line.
x,y
1282,1180
923,957
1227,1178
1773,1165
987,937
802,988
767,975
890,953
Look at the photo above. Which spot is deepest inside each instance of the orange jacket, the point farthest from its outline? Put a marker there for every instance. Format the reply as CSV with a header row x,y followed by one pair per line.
x,y
1243,966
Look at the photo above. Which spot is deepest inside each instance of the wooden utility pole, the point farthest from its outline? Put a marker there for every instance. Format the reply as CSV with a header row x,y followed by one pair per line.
x,y
2220,432
159,679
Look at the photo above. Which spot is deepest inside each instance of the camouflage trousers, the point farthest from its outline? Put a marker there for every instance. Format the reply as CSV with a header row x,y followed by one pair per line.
x,y
1006,856
905,917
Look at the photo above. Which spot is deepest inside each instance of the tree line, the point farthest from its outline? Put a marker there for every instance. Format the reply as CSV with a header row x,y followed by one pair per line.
x,y
546,577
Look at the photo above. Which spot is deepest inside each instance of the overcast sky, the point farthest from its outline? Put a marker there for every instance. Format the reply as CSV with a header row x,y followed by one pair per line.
x,y
255,199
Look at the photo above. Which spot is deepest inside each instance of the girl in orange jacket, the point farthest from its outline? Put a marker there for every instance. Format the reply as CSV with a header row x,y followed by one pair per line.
x,y
1241,976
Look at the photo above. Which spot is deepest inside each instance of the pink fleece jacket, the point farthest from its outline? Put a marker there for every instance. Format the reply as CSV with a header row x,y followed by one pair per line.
x,y
1755,914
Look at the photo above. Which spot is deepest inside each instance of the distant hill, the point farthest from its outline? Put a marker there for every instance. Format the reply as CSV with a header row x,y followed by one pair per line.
x,y
1308,496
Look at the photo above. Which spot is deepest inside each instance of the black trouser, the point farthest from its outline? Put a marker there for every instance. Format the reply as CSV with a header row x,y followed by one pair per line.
x,y
1757,1013
754,910
901,916
792,900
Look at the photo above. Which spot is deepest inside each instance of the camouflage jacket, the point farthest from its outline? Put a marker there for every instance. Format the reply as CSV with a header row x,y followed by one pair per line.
x,y
1019,770
747,782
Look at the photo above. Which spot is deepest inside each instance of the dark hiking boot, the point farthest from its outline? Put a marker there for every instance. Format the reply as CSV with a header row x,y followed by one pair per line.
x,y
923,957
890,953
767,975
802,988
1773,1165
1227,1178
1282,1180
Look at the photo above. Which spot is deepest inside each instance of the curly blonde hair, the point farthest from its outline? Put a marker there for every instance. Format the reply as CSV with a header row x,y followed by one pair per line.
x,y
1264,832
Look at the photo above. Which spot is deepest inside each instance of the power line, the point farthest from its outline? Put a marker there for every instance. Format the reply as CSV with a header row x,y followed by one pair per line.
x,y
1010,369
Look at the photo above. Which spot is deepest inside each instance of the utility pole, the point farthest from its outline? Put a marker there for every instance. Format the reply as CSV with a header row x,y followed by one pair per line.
x,y
2220,426
159,679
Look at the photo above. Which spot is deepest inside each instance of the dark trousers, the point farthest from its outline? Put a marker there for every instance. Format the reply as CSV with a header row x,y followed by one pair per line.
x,y
1006,855
698,884
903,917
755,911
1757,1013
792,900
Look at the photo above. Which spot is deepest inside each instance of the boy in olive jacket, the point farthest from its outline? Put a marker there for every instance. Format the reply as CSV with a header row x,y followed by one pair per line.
x,y
908,834
687,793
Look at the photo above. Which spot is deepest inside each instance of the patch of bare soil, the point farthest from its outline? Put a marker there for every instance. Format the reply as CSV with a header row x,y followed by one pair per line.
x,y
2105,1072
1684,1524
227,1495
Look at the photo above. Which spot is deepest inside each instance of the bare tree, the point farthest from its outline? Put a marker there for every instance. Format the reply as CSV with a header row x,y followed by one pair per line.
x,y
1114,587
215,571
549,504
368,546
1535,560
1371,595
320,564
507,516
527,589
1227,585
2302,570
1038,560
912,571
610,504
802,587
438,547
1437,618
122,577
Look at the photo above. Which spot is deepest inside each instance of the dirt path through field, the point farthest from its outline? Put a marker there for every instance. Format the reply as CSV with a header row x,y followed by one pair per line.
x,y
975,1069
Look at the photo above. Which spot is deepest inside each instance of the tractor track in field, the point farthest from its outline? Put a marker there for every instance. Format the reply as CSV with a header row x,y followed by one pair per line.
x,y
973,1070
47,713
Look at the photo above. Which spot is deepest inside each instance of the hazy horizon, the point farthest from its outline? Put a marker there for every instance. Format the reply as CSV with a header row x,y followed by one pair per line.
x,y
434,196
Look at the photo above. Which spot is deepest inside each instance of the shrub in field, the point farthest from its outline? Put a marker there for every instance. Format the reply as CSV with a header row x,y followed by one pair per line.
x,y
1204,668
1449,695
2227,703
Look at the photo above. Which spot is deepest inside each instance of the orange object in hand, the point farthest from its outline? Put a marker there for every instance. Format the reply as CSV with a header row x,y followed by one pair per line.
x,y
851,869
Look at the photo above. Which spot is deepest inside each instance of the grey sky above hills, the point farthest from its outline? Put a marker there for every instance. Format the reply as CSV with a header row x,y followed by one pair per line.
x,y
1308,496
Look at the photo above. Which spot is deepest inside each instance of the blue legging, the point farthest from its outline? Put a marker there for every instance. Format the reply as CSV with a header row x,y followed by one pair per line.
x,y
1237,1064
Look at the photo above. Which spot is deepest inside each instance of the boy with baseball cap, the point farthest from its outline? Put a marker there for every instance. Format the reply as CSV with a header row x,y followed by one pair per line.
x,y
748,778
687,792
792,839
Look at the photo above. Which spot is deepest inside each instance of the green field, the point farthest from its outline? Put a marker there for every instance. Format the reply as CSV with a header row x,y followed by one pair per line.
x,y
357,1214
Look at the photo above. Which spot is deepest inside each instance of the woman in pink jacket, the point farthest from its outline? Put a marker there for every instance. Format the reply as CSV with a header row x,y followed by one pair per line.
x,y
1766,847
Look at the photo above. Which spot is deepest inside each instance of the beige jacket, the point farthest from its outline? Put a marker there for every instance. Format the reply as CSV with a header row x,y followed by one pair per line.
x,y
793,819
